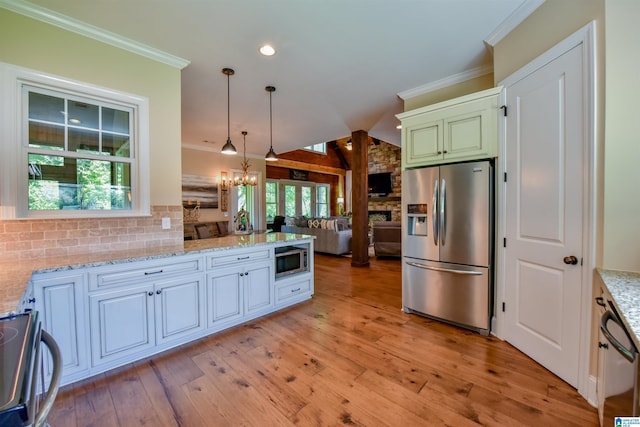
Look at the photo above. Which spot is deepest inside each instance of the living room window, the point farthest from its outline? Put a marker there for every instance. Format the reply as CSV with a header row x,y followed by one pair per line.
x,y
271,198
77,152
303,198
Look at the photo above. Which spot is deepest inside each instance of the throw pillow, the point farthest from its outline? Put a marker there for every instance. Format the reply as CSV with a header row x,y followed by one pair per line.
x,y
291,221
314,223
300,221
329,224
342,224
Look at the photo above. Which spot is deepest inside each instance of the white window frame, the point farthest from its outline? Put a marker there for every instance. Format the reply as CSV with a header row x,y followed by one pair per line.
x,y
327,204
274,182
14,177
320,148
298,186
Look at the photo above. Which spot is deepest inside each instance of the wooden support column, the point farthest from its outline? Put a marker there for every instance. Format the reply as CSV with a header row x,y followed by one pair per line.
x,y
359,198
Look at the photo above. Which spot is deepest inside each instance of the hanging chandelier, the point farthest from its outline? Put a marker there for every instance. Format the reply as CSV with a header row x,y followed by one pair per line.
x,y
246,179
271,155
228,148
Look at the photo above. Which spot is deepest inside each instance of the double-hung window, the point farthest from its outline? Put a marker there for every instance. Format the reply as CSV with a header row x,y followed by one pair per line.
x,y
78,152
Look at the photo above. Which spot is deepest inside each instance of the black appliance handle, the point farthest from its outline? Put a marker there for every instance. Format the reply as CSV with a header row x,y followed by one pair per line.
x,y
628,354
41,417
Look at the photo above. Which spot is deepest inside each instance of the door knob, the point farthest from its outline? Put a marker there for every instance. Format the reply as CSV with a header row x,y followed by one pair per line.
x,y
570,260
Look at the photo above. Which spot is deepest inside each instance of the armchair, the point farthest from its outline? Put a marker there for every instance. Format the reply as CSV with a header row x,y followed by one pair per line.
x,y
387,238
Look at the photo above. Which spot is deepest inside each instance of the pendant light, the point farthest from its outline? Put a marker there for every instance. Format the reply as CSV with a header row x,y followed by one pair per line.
x,y
271,155
228,148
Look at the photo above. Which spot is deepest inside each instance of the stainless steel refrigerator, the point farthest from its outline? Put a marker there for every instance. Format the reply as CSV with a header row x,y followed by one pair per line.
x,y
447,243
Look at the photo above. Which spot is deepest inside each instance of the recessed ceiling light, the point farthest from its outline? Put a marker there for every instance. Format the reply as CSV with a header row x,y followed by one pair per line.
x,y
75,121
399,127
267,50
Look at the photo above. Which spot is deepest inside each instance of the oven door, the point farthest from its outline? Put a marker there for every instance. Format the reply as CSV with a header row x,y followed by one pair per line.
x,y
21,341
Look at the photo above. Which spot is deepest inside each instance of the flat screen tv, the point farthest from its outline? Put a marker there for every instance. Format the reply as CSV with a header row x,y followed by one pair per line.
x,y
380,184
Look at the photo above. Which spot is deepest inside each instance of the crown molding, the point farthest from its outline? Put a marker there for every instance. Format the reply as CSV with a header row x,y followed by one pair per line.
x,y
447,81
512,21
67,23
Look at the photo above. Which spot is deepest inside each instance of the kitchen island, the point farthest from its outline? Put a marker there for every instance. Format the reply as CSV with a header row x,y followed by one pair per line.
x,y
109,309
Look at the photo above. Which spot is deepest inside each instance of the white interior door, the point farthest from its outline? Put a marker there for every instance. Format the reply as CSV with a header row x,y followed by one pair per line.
x,y
544,213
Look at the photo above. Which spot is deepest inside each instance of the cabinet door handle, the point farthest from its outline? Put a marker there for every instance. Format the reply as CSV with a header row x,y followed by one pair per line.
x,y
32,300
243,257
445,151
150,293
148,273
600,301
246,274
159,291
241,274
439,152
295,290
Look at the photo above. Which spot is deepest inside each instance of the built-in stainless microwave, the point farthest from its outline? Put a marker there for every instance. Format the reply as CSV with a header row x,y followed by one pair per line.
x,y
290,260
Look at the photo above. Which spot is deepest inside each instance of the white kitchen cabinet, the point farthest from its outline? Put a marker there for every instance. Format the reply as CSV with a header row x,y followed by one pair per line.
x,y
60,298
239,290
135,319
224,290
258,279
179,307
293,288
121,323
464,128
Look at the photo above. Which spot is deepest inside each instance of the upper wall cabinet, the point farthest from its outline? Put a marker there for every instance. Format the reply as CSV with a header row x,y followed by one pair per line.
x,y
464,128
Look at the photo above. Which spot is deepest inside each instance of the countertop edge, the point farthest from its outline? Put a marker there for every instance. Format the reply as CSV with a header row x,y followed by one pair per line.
x,y
15,276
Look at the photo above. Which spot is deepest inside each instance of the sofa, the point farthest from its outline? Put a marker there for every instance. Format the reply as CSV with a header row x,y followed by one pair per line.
x,y
387,238
333,235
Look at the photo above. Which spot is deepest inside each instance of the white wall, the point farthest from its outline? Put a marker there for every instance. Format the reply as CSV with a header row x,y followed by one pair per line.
x,y
622,137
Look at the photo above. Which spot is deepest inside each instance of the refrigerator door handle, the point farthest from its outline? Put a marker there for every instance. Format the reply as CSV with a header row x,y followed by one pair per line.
x,y
442,220
446,270
434,216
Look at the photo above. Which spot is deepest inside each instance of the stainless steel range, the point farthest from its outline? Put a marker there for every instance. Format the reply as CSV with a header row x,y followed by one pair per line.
x,y
20,352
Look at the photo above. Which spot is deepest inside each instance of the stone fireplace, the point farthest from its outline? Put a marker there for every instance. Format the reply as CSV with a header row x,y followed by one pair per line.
x,y
384,157
379,216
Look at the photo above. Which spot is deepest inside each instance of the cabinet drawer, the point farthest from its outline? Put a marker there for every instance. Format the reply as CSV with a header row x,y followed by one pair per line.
x,y
238,257
133,273
292,289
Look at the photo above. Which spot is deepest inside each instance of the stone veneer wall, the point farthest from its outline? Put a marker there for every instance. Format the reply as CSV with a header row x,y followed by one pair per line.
x,y
386,157
25,239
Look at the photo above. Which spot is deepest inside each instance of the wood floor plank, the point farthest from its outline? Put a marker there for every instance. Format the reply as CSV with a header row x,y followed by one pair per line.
x,y
246,396
349,356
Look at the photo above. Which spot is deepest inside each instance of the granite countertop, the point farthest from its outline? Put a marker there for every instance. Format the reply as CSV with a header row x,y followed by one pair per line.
x,y
624,287
14,276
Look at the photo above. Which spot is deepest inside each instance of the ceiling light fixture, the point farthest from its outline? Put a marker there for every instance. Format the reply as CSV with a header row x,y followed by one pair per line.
x,y
246,179
267,50
348,145
271,155
228,148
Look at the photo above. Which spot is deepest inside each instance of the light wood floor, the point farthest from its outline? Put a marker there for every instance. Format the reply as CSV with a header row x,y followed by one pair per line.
x,y
348,356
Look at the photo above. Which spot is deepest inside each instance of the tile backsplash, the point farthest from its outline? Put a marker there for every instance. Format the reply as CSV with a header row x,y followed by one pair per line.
x,y
25,239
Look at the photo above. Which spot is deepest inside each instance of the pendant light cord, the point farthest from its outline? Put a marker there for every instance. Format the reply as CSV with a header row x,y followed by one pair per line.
x,y
228,108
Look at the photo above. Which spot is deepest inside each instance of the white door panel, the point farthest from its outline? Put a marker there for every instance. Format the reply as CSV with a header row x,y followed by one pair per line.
x,y
544,154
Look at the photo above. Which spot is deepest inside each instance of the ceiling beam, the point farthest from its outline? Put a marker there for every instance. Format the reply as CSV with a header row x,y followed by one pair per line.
x,y
293,164
340,154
